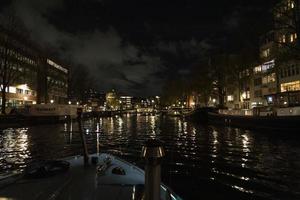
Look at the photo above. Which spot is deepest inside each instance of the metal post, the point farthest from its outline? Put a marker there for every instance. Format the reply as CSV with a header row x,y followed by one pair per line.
x,y
153,153
84,146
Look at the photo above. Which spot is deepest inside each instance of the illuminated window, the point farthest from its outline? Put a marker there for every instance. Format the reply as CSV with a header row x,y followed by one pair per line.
x,y
267,65
291,4
292,38
291,86
265,53
283,38
245,94
230,98
270,99
248,94
271,78
257,69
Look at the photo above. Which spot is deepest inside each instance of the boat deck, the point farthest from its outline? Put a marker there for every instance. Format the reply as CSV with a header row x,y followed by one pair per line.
x,y
104,180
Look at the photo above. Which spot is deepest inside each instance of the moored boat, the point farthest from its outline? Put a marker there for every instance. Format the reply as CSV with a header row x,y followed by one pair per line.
x,y
260,118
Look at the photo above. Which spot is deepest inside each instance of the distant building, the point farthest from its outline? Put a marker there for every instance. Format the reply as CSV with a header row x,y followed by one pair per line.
x,y
281,50
40,79
126,102
112,100
94,99
276,78
57,77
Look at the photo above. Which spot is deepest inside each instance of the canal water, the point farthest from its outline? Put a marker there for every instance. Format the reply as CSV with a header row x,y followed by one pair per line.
x,y
201,161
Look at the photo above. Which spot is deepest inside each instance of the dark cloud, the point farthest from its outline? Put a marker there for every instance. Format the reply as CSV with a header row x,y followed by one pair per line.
x,y
112,63
134,45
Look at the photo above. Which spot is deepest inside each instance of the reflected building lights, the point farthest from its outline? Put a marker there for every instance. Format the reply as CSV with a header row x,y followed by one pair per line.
x,y
185,127
245,149
98,143
16,144
98,127
152,125
65,127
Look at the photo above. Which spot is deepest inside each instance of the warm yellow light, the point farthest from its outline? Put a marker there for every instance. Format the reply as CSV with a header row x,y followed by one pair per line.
x,y
51,101
292,38
290,86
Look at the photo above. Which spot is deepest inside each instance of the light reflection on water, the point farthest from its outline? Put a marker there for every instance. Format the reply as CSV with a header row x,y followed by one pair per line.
x,y
199,159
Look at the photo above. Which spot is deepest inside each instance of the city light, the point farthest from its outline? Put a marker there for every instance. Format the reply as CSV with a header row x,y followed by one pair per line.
x,y
51,101
70,102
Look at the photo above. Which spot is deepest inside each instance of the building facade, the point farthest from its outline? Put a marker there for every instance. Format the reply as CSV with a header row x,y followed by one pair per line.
x,y
31,76
275,80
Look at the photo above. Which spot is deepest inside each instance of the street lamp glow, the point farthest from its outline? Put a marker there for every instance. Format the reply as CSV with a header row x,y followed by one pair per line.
x,y
51,101
69,102
77,103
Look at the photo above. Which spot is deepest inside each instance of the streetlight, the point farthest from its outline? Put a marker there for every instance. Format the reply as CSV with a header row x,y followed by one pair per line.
x,y
51,101
69,102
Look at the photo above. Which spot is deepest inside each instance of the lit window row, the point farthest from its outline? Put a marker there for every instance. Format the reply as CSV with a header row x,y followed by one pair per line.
x,y
230,98
57,66
291,86
288,5
57,82
18,56
288,38
267,65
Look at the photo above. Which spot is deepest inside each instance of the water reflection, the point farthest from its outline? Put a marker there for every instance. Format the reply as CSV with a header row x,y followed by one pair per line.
x,y
14,148
206,157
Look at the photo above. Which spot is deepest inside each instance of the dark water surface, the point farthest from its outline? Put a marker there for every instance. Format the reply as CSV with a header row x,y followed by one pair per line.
x,y
201,162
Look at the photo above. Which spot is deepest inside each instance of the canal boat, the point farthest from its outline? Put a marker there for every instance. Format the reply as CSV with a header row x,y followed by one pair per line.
x,y
286,119
46,110
107,177
46,113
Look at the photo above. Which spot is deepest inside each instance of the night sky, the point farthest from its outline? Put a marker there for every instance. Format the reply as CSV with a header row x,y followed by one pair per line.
x,y
134,46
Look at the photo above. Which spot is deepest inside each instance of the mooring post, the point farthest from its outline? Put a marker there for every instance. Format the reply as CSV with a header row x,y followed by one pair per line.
x,y
84,145
153,153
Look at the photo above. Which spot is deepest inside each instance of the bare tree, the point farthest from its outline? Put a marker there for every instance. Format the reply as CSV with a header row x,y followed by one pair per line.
x,y
10,67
